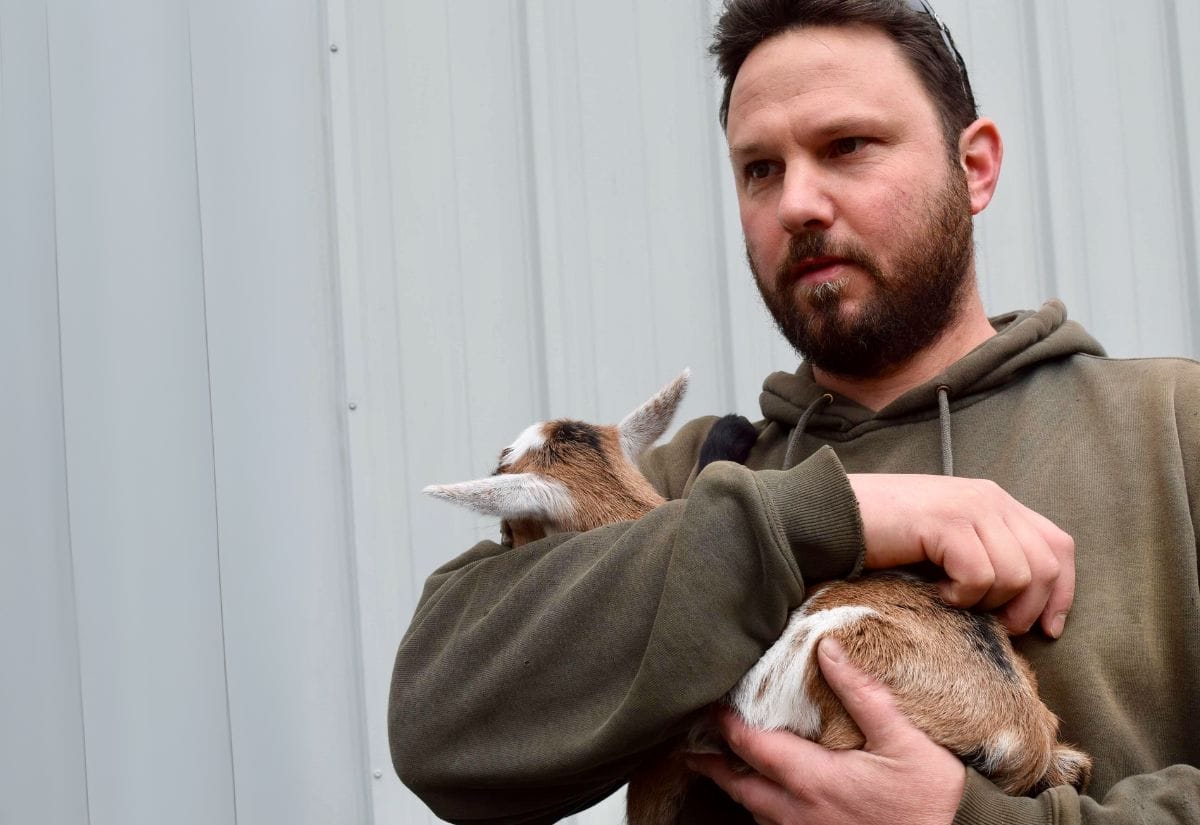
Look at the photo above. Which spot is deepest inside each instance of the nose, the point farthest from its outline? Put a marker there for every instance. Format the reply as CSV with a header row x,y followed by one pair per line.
x,y
805,203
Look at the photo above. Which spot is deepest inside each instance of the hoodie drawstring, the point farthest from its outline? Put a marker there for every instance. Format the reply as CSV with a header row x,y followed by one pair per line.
x,y
789,458
943,392
944,416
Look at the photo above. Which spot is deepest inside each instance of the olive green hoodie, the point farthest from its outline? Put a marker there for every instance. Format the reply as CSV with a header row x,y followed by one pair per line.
x,y
533,681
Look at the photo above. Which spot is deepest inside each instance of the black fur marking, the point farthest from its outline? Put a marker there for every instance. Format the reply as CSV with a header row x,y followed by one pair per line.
x,y
976,757
577,432
730,439
985,634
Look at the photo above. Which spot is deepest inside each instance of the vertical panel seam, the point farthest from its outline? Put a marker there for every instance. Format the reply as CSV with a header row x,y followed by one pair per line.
x,y
1184,175
536,291
590,340
1044,226
211,420
728,385
62,394
344,274
648,235
465,378
394,269
1126,184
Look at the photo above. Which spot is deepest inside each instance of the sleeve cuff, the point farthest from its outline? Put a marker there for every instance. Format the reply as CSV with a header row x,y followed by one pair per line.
x,y
984,804
817,512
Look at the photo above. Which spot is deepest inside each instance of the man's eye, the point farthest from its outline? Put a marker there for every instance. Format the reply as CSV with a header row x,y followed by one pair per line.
x,y
759,169
847,146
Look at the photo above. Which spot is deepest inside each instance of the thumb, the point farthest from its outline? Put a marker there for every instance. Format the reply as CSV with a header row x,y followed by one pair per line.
x,y
868,701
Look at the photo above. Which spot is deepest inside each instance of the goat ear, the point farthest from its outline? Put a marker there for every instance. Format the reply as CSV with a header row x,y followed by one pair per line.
x,y
647,423
510,496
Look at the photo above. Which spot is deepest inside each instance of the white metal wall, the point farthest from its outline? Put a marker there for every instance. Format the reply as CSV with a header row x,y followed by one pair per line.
x,y
255,293
177,605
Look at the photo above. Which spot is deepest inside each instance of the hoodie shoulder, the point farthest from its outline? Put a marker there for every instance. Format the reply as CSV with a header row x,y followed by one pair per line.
x,y
669,466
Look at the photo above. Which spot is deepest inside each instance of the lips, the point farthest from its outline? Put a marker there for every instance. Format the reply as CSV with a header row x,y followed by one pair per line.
x,y
818,270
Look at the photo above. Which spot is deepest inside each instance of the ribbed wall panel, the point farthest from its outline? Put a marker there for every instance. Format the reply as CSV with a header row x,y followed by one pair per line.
x,y
181,638
279,267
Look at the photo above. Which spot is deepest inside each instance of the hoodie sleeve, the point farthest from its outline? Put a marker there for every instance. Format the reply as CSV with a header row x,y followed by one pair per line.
x,y
1171,795
533,681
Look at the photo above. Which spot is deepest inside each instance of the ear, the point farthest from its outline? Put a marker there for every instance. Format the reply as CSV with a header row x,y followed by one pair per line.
x,y
981,152
510,496
647,423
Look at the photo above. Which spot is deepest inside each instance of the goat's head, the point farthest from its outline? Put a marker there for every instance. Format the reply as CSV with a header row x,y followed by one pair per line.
x,y
566,475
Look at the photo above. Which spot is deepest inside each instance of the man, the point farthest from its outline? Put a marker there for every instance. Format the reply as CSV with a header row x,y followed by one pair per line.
x,y
533,682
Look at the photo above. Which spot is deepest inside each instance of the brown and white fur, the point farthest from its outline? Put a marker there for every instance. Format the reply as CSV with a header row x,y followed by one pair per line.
x,y
953,672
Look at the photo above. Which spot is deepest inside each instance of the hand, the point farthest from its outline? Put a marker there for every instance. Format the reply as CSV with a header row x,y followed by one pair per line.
x,y
995,551
901,777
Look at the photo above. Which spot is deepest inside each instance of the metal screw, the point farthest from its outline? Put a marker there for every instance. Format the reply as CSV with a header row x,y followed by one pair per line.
x,y
333,47
378,774
353,405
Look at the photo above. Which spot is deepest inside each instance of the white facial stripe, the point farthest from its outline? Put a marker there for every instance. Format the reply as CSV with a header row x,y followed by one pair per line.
x,y
784,703
531,439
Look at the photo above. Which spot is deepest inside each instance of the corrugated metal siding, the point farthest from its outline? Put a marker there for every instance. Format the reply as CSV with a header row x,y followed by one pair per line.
x,y
208,556
176,531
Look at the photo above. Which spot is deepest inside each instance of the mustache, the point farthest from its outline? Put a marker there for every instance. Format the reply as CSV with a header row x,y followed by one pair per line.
x,y
809,245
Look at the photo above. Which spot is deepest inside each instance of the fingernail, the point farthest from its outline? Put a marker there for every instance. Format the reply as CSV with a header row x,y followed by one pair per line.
x,y
833,649
1056,626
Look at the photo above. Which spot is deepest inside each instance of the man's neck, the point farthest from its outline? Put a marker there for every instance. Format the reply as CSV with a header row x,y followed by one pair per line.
x,y
970,330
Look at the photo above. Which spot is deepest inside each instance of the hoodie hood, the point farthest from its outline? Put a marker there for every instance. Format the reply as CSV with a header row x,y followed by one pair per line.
x,y
1023,340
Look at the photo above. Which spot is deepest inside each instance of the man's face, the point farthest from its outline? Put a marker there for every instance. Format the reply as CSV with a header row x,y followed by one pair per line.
x,y
857,222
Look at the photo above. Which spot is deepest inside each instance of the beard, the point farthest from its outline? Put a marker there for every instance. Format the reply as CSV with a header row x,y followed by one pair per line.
x,y
906,310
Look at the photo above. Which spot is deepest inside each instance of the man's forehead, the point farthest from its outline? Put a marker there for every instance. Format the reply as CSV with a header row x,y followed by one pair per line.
x,y
858,68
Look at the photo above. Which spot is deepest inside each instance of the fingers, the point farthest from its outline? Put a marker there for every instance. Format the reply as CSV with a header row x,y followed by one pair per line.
x,y
782,762
867,700
753,792
1024,606
997,553
1062,593
901,777
986,564
969,571
780,756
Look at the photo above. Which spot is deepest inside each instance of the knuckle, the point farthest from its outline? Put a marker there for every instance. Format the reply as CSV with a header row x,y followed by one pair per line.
x,y
988,490
1062,541
977,494
1020,579
978,578
1048,569
736,737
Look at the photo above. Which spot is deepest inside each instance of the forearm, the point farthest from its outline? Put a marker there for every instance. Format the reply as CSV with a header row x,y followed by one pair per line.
x,y
1171,795
533,680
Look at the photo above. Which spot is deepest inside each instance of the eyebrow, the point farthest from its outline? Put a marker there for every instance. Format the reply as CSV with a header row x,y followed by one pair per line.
x,y
849,125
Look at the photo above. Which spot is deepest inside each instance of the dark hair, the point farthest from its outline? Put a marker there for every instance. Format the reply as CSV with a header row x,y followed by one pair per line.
x,y
744,24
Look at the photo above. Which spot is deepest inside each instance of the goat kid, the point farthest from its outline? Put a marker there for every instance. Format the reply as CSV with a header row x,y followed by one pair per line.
x,y
953,672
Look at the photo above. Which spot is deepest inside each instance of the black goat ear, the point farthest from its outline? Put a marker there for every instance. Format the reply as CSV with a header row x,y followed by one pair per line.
x,y
730,439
